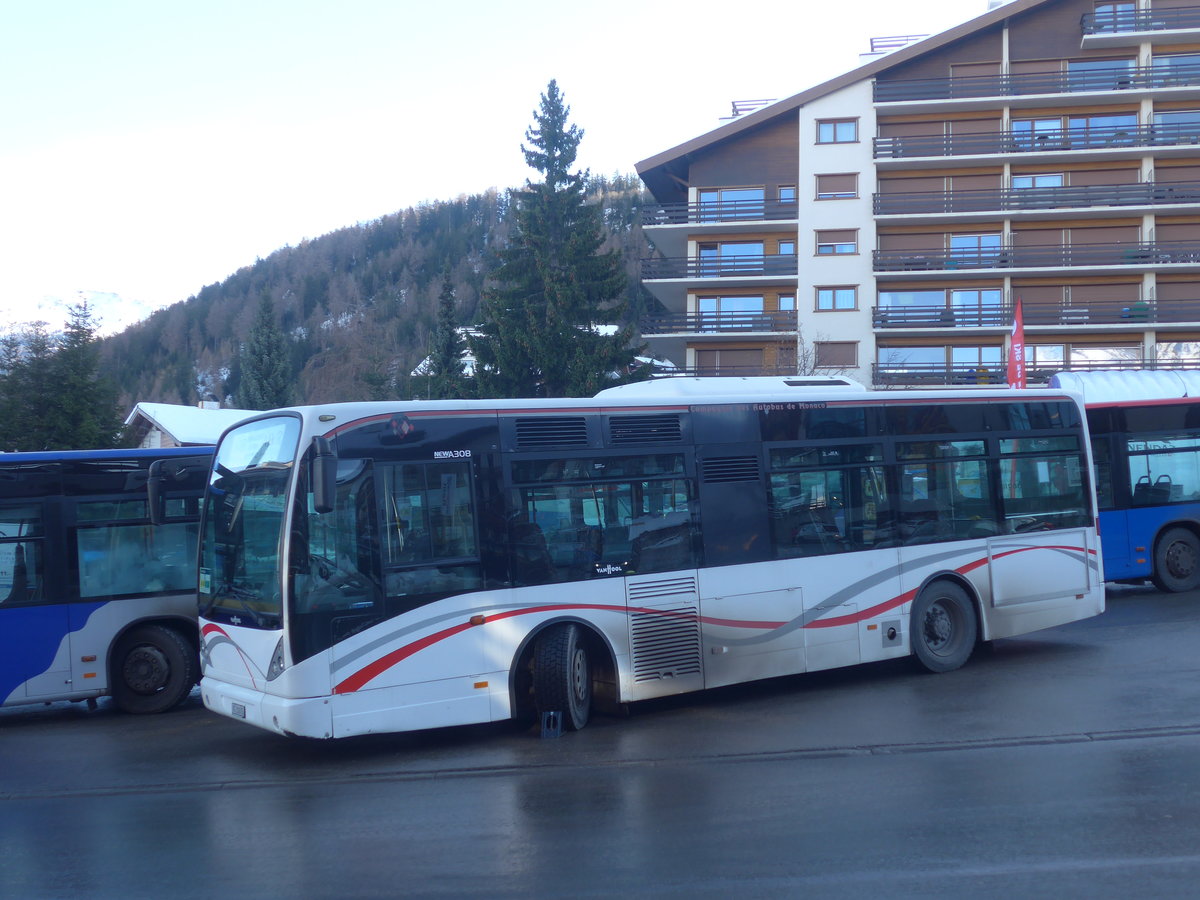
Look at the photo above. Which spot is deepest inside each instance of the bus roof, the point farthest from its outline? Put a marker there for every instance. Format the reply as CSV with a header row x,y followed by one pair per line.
x,y
1123,387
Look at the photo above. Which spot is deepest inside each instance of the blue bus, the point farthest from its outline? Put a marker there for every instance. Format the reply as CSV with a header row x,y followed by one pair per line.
x,y
1145,431
95,598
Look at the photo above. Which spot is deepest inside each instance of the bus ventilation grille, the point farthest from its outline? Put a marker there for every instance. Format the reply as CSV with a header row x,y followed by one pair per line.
x,y
552,431
722,469
666,642
645,429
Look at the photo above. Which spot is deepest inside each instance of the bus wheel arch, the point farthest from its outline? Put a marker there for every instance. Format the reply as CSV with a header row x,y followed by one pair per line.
x,y
564,666
944,624
152,668
1176,559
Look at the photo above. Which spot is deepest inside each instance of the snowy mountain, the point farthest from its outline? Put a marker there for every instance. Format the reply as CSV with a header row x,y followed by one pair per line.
x,y
111,312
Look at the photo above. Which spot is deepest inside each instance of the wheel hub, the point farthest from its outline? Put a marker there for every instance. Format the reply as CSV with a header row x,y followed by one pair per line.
x,y
938,627
146,670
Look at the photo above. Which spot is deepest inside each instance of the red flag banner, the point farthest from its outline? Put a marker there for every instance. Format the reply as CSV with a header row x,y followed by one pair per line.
x,y
1016,349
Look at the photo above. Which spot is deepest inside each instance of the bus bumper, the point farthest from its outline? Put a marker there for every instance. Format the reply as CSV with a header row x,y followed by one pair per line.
x,y
306,717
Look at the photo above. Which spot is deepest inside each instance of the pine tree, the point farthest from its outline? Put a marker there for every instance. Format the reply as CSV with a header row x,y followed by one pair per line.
x,y
266,370
553,286
445,370
81,407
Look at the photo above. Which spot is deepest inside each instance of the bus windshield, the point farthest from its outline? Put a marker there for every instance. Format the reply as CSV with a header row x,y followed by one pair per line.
x,y
244,513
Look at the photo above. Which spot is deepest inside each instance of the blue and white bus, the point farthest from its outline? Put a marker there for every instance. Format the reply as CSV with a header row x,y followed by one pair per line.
x,y
95,599
1145,429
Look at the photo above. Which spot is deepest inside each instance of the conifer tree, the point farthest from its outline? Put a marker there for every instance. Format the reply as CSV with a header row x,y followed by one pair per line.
x,y
266,370
81,408
553,285
446,378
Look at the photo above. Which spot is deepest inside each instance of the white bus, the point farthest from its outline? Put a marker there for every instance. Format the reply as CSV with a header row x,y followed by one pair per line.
x,y
377,567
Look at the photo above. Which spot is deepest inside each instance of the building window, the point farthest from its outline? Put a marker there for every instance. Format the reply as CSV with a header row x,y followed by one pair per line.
x,y
1102,130
837,187
837,131
837,242
1177,126
787,193
787,303
975,249
731,313
1098,74
1121,16
1028,182
830,299
730,361
731,259
787,248
835,354
731,204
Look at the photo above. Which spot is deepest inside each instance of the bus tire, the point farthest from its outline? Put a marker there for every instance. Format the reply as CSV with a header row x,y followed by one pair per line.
x,y
562,675
944,627
1177,561
153,670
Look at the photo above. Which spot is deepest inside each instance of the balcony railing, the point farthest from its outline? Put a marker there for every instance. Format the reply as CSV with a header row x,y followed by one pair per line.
x,y
716,213
926,374
778,265
1006,199
719,323
1059,139
1077,312
729,371
1118,21
1119,254
969,86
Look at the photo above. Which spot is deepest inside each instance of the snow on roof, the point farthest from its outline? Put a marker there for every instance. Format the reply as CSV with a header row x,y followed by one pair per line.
x,y
189,424
1131,385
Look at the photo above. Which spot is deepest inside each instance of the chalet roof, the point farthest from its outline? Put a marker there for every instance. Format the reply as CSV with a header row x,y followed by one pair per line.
x,y
189,425
660,171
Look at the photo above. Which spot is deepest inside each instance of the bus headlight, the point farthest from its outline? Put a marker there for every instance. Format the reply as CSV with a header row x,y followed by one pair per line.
x,y
276,667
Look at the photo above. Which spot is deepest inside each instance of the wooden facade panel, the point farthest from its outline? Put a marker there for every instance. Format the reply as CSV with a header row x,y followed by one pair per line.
x,y
770,156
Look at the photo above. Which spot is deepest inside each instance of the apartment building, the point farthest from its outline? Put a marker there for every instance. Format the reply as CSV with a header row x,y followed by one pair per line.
x,y
884,224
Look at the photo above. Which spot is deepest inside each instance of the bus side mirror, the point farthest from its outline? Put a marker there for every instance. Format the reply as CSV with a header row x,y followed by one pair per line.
x,y
324,475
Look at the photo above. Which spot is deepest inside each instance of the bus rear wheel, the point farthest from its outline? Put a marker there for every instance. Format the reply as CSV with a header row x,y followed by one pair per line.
x,y
1177,561
153,670
943,627
562,675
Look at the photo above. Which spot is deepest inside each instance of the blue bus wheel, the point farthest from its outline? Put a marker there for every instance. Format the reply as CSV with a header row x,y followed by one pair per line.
x,y
1177,561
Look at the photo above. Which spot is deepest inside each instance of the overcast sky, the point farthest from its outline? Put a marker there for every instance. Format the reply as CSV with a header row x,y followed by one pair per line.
x,y
151,147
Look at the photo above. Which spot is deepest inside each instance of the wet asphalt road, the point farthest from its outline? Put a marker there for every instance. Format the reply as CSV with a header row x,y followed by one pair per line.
x,y
1065,763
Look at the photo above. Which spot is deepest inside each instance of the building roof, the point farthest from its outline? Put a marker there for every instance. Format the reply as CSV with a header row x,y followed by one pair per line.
x,y
661,171
189,425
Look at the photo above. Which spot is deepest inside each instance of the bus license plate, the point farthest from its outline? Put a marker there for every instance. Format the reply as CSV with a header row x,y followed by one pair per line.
x,y
239,710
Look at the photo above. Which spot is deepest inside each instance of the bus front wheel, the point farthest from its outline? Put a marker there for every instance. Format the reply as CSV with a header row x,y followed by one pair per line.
x,y
944,627
153,670
1177,561
562,675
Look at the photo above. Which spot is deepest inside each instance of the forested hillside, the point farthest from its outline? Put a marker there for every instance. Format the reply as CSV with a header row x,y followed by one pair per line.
x,y
358,306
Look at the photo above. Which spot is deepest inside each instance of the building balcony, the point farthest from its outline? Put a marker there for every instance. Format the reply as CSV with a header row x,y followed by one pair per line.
x,y
1143,255
1040,199
720,324
727,371
1079,312
1007,88
1102,140
1126,28
729,268
954,374
721,213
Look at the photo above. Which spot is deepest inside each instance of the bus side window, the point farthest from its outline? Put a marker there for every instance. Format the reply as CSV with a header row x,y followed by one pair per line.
x,y
20,555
